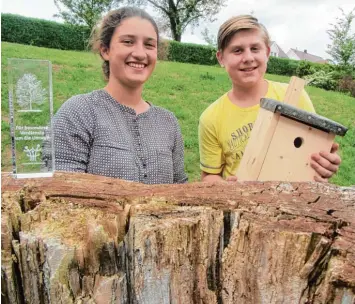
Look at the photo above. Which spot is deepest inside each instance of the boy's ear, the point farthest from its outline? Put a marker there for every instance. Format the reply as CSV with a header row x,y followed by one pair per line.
x,y
104,52
220,58
268,50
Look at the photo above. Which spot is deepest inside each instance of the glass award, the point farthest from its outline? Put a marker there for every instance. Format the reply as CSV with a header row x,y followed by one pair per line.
x,y
31,112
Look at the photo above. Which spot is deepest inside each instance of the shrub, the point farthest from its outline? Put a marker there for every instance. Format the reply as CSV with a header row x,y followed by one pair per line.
x,y
340,73
282,66
326,67
305,68
322,79
192,53
290,67
163,49
347,85
43,33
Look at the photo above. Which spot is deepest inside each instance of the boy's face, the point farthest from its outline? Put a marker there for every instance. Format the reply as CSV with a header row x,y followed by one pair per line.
x,y
245,58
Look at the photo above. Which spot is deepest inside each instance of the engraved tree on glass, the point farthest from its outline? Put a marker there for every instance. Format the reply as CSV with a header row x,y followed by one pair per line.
x,y
29,91
31,112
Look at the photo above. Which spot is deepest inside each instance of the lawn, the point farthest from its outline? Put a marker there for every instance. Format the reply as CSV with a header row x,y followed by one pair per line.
x,y
184,89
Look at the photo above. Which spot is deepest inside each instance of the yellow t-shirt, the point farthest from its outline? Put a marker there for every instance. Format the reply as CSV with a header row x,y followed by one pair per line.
x,y
224,130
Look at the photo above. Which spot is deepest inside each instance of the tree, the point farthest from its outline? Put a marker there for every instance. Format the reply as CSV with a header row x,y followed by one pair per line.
x,y
342,48
82,238
209,37
29,91
83,12
178,14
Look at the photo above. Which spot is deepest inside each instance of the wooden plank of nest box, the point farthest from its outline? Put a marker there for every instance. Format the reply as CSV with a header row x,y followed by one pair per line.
x,y
294,91
263,131
294,165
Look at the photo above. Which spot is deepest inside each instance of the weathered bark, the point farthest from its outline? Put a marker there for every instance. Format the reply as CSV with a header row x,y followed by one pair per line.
x,y
78,238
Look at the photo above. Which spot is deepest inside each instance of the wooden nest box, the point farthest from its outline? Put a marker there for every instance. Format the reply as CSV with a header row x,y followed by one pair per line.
x,y
283,139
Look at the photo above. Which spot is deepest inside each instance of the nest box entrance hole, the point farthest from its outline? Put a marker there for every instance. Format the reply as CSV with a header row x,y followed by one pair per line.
x,y
298,142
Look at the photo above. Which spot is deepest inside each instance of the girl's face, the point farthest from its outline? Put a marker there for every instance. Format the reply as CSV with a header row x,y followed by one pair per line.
x,y
132,54
245,58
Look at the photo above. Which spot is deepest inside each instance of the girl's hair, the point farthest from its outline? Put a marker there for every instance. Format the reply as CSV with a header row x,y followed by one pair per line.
x,y
235,24
101,35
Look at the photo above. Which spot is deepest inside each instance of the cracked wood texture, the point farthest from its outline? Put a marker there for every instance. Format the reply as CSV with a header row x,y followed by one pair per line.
x,y
79,238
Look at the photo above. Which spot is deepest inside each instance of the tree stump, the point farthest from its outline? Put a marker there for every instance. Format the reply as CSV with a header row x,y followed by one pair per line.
x,y
80,238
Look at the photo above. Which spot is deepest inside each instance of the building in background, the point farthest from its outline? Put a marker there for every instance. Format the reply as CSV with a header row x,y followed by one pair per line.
x,y
276,51
299,55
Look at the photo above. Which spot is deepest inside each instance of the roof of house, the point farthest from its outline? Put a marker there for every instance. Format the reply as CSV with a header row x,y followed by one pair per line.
x,y
308,56
282,54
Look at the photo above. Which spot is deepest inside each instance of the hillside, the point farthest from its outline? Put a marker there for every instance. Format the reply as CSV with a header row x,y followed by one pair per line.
x,y
184,89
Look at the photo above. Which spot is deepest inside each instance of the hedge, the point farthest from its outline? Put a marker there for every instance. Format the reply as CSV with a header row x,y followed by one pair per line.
x,y
206,55
38,32
191,53
282,66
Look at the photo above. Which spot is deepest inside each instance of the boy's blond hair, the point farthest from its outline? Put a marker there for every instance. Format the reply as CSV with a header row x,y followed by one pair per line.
x,y
235,24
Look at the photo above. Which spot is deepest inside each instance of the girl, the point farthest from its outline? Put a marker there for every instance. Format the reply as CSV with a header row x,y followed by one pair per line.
x,y
114,131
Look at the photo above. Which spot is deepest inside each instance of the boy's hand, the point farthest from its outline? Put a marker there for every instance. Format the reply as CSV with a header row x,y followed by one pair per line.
x,y
326,164
232,179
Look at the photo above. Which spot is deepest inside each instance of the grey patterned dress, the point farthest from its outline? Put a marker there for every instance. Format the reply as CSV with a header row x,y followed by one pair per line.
x,y
94,133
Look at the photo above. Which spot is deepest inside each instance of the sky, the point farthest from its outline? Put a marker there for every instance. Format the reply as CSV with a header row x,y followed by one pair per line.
x,y
298,24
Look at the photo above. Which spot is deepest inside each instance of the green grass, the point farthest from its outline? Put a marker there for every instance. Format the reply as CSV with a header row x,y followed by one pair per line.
x,y
184,89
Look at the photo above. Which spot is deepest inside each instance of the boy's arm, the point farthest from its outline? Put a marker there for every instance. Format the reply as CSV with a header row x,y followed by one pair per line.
x,y
211,153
